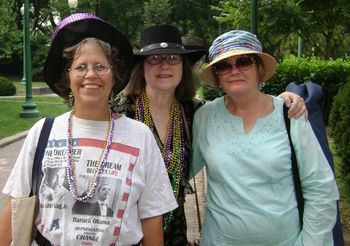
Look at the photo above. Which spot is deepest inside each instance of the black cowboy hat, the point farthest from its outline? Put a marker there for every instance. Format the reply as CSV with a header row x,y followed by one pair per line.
x,y
166,39
71,31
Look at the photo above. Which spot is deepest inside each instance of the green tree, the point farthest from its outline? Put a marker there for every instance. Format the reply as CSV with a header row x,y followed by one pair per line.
x,y
279,22
156,12
124,14
10,35
195,18
329,24
322,24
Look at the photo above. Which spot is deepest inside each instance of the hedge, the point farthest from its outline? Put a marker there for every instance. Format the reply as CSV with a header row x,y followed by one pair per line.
x,y
339,120
6,87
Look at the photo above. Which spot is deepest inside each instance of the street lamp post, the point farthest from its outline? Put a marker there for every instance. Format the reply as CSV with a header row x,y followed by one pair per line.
x,y
300,46
29,107
254,17
23,80
73,4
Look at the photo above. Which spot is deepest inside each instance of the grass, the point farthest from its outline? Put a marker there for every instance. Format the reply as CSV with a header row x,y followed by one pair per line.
x,y
10,109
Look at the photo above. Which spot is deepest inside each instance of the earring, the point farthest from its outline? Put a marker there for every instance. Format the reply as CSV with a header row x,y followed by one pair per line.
x,y
261,86
71,99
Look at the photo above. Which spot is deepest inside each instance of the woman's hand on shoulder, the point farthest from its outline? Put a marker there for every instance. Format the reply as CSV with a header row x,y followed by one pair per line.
x,y
295,103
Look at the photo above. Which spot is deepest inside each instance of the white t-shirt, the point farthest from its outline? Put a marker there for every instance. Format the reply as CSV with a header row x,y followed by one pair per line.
x,y
135,173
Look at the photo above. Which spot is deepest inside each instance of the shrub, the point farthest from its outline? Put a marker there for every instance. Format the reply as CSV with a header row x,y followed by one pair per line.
x,y
6,87
339,120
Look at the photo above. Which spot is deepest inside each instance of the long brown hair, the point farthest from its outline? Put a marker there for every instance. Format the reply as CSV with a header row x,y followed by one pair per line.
x,y
186,89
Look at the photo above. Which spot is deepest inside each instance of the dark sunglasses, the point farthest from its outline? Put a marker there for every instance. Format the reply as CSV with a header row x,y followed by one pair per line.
x,y
171,59
242,64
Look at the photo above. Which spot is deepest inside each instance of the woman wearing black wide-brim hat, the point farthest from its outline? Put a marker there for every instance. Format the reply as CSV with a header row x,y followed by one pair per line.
x,y
161,94
91,146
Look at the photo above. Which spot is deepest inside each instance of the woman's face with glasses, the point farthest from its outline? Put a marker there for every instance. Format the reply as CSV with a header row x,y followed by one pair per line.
x,y
237,73
91,78
163,71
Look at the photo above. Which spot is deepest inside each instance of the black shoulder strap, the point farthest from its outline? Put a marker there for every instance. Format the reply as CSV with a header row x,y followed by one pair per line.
x,y
295,170
39,154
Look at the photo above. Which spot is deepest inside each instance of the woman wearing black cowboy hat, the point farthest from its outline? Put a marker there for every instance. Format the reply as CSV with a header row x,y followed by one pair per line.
x,y
161,94
87,61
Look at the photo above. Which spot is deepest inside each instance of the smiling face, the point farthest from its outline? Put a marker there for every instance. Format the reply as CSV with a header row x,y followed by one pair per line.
x,y
91,89
163,76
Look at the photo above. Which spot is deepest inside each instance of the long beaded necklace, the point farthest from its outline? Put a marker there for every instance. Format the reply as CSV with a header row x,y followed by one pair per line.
x,y
71,170
173,151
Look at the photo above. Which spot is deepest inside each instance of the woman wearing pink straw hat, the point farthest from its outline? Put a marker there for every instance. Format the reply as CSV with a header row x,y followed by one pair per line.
x,y
161,94
242,141
89,60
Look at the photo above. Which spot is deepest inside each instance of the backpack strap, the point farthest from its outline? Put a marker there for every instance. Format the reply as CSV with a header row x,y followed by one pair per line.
x,y
39,154
295,170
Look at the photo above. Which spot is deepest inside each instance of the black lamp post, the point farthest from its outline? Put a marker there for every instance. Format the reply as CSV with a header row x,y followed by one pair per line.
x,y
254,17
29,107
23,80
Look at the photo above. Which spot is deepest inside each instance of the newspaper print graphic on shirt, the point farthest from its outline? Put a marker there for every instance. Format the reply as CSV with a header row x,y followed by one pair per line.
x,y
101,216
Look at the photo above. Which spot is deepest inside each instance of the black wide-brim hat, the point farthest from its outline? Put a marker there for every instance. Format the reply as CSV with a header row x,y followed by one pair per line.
x,y
74,29
166,39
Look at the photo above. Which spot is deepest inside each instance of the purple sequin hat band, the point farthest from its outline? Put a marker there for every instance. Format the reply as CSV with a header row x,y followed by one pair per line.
x,y
73,18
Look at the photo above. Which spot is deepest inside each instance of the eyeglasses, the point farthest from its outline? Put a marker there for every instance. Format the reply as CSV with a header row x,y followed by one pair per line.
x,y
99,69
158,59
242,64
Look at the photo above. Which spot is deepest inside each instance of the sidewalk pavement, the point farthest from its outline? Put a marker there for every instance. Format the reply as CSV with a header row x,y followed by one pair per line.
x,y
191,208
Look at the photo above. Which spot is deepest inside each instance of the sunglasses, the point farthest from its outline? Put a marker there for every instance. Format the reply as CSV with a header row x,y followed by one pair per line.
x,y
242,64
171,59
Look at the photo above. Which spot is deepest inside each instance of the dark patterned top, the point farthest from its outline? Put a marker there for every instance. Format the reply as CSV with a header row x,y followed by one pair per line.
x,y
176,234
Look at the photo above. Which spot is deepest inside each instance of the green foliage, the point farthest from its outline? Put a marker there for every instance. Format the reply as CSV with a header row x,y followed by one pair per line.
x,y
208,93
39,53
340,131
156,12
205,92
126,15
328,22
6,87
322,24
10,36
278,22
330,74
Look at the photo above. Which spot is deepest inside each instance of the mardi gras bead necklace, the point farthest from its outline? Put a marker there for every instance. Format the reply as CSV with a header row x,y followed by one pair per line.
x,y
71,170
173,151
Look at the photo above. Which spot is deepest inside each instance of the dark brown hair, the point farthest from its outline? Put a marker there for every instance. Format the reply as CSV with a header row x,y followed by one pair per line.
x,y
186,89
